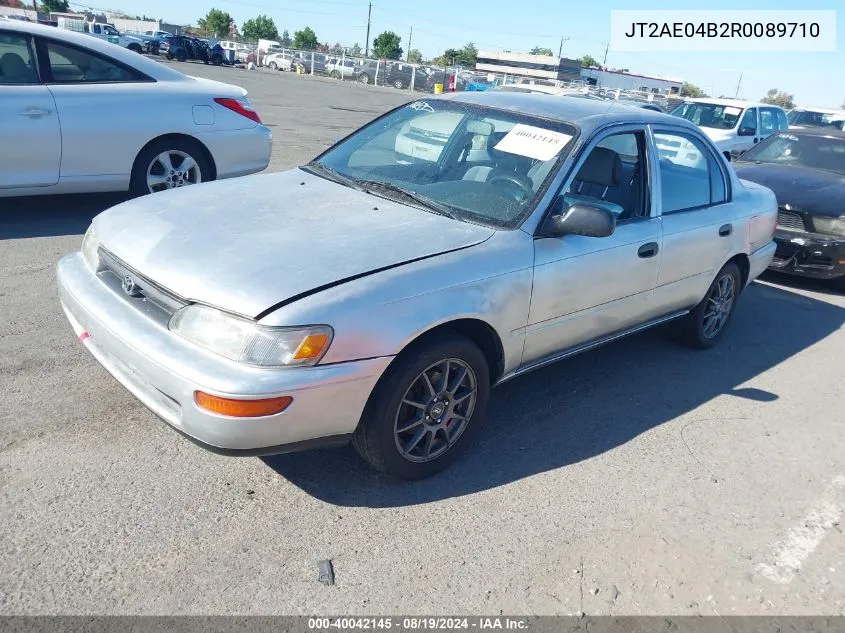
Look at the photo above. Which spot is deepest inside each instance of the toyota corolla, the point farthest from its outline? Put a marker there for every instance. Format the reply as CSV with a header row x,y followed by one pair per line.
x,y
375,297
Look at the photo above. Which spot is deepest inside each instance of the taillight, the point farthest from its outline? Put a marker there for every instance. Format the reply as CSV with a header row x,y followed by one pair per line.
x,y
241,107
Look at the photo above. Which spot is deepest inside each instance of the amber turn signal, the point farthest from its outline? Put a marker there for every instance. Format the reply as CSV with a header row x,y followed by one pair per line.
x,y
311,347
241,408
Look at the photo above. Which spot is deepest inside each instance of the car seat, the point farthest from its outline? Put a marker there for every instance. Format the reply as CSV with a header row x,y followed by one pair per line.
x,y
601,170
14,70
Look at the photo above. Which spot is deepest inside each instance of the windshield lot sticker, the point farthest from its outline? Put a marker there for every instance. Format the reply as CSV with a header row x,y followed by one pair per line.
x,y
421,106
533,142
732,111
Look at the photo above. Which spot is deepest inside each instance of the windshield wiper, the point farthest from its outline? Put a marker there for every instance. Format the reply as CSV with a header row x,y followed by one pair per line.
x,y
413,196
325,171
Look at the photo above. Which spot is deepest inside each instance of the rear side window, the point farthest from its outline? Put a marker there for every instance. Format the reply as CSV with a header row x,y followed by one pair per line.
x,y
768,121
17,63
690,175
783,122
69,64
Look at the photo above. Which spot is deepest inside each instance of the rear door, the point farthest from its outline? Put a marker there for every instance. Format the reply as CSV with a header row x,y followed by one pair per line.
x,y
30,137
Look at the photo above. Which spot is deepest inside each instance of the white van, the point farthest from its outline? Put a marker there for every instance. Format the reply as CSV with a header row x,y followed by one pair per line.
x,y
816,117
733,125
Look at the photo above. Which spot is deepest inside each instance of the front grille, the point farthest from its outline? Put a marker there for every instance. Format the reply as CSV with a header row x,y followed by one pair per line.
x,y
790,221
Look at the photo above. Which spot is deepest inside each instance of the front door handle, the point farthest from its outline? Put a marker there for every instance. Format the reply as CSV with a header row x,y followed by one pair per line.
x,y
647,250
725,230
35,113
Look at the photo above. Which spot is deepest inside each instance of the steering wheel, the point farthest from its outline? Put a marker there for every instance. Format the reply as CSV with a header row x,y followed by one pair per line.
x,y
526,186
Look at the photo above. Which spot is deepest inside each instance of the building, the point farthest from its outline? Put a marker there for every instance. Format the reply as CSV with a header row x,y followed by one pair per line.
x,y
623,80
524,65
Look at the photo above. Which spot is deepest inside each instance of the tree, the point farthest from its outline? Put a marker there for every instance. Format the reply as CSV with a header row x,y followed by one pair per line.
x,y
216,23
305,39
54,6
285,41
542,51
691,90
387,45
588,61
414,56
779,98
466,56
261,27
355,51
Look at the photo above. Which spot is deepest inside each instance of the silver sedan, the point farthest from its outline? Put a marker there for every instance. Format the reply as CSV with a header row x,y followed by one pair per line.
x,y
78,114
377,295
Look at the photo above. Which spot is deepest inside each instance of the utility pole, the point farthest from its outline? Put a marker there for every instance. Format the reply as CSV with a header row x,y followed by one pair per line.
x,y
410,35
367,43
738,83
604,63
560,50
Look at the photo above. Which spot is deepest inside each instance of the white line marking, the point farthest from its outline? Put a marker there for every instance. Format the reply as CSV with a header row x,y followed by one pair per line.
x,y
804,538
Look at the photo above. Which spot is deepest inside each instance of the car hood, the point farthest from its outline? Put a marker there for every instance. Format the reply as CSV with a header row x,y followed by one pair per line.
x,y
248,244
813,191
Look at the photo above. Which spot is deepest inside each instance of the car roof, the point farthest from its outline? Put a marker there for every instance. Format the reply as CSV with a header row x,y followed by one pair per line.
x,y
738,103
588,114
831,132
147,66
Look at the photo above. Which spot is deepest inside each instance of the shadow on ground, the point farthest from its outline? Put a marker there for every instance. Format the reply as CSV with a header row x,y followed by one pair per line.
x,y
49,216
589,404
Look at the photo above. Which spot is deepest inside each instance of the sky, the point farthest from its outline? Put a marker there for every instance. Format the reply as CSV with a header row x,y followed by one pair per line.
x,y
816,79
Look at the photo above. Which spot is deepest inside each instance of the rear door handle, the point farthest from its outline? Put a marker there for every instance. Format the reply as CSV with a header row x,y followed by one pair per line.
x,y
35,113
648,250
725,230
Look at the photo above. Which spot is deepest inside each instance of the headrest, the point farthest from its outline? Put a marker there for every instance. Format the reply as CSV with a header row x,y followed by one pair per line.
x,y
602,167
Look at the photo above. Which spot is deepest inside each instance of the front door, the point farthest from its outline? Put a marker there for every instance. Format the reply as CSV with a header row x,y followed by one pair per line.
x,y
29,125
588,288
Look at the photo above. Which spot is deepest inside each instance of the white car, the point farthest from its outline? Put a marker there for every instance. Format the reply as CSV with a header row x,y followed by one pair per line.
x,y
733,125
280,61
816,117
94,117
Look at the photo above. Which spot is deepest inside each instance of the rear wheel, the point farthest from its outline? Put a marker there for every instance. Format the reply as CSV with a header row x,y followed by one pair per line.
x,y
706,324
398,84
426,408
169,164
216,60
364,78
273,66
135,47
182,56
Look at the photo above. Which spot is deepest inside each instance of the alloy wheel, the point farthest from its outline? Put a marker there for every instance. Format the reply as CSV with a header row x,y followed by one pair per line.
x,y
719,305
172,169
435,410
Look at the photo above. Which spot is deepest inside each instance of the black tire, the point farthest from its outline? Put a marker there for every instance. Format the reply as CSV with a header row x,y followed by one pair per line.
x,y
273,66
690,330
182,56
374,438
364,78
217,60
138,180
136,48
168,56
398,84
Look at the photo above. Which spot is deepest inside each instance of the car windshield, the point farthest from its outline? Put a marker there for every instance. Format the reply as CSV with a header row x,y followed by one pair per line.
x,y
814,151
481,164
809,118
720,117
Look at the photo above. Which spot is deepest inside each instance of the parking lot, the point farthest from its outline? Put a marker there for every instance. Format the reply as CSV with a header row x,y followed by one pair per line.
x,y
640,478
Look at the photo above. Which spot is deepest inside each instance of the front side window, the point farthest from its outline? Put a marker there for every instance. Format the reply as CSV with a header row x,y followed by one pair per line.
x,y
748,125
69,64
17,64
768,121
710,115
480,164
690,177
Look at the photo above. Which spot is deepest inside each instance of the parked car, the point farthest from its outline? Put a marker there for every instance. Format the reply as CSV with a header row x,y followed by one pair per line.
x,y
280,61
400,75
183,48
273,329
806,170
341,68
438,76
93,116
734,126
158,34
815,117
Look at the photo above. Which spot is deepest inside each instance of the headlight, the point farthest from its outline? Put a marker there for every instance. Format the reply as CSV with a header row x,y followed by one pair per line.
x,y
247,342
831,226
90,248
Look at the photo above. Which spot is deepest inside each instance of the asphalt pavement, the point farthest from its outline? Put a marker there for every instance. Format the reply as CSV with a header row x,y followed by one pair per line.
x,y
640,478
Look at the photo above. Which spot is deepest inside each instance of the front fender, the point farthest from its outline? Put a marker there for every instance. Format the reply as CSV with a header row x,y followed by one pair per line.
x,y
379,315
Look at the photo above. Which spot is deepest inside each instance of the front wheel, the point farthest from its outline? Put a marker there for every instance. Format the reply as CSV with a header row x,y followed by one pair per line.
x,y
135,48
706,324
426,408
364,78
169,164
398,84
182,56
273,66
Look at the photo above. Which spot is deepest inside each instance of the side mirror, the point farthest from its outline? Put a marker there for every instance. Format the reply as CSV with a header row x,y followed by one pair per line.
x,y
579,219
746,131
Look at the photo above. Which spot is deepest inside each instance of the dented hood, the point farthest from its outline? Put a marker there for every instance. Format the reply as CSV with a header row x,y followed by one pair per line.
x,y
247,244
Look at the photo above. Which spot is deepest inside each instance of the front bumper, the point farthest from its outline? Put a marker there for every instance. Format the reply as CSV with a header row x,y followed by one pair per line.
x,y
163,371
239,152
809,255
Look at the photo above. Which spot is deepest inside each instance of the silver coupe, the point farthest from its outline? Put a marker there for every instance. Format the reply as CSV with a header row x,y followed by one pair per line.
x,y
378,293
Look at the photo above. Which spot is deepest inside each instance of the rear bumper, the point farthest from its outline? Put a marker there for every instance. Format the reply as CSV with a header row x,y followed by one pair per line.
x,y
164,371
809,255
239,152
759,260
